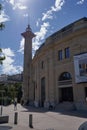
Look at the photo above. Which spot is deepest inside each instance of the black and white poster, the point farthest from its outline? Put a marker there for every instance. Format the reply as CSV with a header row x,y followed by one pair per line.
x,y
80,65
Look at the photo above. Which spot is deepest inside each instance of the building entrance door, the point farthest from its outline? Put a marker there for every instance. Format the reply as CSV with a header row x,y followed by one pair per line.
x,y
65,87
66,94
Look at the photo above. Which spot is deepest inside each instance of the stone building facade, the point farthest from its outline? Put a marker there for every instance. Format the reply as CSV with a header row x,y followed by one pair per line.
x,y
59,68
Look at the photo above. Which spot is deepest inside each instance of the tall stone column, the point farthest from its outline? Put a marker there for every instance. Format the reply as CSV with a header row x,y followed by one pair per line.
x,y
28,35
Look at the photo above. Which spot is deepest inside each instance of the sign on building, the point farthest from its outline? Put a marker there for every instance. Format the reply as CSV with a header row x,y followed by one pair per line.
x,y
80,66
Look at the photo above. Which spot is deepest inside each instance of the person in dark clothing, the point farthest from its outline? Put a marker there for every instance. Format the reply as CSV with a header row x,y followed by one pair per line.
x,y
15,104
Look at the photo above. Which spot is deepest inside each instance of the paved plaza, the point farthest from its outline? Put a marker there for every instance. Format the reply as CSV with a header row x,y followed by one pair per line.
x,y
43,119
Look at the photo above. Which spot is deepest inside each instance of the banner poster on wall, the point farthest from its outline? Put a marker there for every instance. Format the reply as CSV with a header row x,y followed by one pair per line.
x,y
80,67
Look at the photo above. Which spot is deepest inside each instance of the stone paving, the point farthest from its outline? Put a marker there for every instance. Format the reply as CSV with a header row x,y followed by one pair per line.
x,y
43,119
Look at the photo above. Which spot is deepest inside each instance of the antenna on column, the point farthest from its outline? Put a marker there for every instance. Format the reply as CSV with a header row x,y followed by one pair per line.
x,y
28,18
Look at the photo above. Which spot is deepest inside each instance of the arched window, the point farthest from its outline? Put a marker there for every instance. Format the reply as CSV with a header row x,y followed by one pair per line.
x,y
65,76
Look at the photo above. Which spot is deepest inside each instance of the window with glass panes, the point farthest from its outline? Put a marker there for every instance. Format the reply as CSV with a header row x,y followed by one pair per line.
x,y
67,52
60,55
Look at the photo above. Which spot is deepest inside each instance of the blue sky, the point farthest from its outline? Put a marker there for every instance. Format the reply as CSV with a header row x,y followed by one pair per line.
x,y
44,16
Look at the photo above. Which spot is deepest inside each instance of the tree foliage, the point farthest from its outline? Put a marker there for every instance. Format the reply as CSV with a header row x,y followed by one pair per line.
x,y
10,92
2,26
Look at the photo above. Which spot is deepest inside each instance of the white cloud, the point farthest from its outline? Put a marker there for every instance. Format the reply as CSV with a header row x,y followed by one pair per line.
x,y
37,22
19,6
11,2
80,2
8,52
25,15
8,66
43,30
58,6
47,15
40,35
21,49
15,4
44,27
4,17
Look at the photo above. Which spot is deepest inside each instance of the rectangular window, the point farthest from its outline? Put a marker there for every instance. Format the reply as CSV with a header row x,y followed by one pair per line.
x,y
42,64
67,52
60,55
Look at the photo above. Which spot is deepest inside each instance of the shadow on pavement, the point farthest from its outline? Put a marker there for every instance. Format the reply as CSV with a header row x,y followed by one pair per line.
x,y
77,113
5,127
34,109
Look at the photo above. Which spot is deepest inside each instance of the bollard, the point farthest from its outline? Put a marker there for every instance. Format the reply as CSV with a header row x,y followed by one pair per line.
x,y
1,110
30,121
16,118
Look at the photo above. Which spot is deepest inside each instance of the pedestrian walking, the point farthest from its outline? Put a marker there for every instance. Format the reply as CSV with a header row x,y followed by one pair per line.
x,y
15,104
